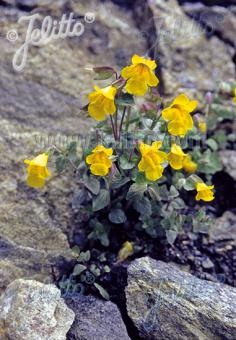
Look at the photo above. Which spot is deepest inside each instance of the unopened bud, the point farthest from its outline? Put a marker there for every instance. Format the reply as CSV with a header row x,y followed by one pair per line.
x,y
209,98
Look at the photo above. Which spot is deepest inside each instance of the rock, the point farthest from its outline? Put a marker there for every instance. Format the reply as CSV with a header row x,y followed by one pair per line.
x,y
23,262
218,19
166,303
30,310
40,106
187,59
224,228
96,319
228,158
207,263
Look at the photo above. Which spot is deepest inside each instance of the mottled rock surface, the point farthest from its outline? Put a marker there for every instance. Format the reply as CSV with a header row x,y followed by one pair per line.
x,y
228,158
39,106
30,310
217,19
188,60
167,303
96,319
224,228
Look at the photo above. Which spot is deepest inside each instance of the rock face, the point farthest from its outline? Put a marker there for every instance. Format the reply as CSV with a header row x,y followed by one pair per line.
x,y
187,59
228,158
224,229
39,106
166,303
96,319
30,310
218,19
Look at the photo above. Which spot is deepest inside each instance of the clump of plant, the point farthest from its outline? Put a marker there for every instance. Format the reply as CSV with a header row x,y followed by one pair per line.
x,y
138,160
86,274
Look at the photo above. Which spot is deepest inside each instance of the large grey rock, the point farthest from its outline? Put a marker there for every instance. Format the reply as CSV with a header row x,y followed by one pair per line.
x,y
218,19
188,60
96,319
167,303
228,158
224,228
30,310
40,106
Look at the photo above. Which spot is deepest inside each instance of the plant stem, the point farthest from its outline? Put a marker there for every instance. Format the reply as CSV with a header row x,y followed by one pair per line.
x,y
127,119
154,122
122,120
63,153
116,124
113,128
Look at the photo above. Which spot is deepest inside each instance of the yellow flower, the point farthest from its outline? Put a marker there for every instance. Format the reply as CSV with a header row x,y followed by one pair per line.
x,y
234,99
176,157
99,160
102,102
202,127
189,165
126,251
37,171
178,115
204,192
140,75
151,160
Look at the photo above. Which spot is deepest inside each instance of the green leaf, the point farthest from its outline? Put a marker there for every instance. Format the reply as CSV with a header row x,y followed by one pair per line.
x,y
210,163
80,197
125,164
171,236
103,72
212,144
78,269
76,249
136,191
95,270
84,256
71,150
119,182
100,232
61,163
125,99
141,179
178,204
189,184
107,269
117,216
102,291
143,206
102,200
173,192
92,184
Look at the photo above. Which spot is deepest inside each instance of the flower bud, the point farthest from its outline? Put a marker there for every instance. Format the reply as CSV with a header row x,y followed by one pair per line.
x,y
209,98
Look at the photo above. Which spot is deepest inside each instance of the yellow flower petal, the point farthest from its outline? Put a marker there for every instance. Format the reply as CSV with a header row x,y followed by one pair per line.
x,y
188,164
37,171
136,86
157,145
126,251
99,160
204,192
202,127
140,60
177,128
154,174
101,102
35,181
176,149
176,157
99,169
140,75
108,151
